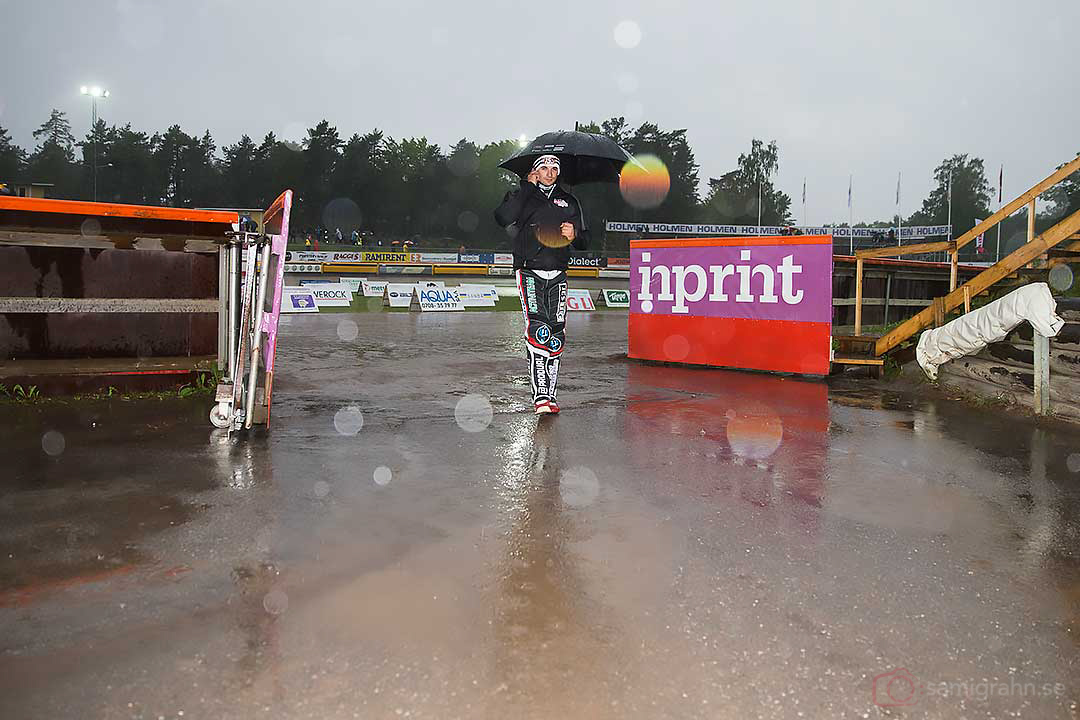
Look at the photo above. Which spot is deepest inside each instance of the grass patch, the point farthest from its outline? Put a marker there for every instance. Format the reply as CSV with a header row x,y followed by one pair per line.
x,y
205,385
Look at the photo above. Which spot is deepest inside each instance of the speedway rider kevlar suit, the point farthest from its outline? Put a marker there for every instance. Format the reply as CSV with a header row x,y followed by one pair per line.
x,y
535,216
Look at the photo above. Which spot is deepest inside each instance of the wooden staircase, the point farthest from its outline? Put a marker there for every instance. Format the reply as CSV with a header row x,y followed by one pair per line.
x,y
859,349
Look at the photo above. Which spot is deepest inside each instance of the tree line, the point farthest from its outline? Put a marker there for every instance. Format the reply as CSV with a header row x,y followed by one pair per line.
x,y
411,188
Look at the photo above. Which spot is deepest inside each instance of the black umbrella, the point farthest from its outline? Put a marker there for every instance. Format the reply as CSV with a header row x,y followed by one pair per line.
x,y
583,157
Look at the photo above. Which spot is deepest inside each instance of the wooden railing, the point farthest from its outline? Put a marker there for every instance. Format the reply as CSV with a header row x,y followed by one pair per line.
x,y
953,248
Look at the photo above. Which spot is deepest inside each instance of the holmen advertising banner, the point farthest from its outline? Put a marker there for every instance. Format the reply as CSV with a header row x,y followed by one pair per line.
x,y
906,233
754,303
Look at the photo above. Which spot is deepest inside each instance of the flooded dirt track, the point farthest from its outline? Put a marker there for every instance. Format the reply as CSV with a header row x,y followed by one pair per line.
x,y
410,541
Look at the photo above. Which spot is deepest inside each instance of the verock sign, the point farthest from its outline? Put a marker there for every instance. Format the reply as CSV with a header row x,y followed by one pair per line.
x,y
755,303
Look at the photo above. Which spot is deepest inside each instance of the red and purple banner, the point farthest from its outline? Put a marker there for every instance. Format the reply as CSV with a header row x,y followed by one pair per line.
x,y
754,303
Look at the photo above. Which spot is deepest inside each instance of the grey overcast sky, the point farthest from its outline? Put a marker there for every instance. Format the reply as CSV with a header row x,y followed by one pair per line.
x,y
869,88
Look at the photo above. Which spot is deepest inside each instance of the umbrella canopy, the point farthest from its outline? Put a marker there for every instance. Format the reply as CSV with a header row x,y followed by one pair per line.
x,y
583,157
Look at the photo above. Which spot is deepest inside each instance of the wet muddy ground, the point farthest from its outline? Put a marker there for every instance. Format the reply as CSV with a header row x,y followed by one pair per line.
x,y
677,543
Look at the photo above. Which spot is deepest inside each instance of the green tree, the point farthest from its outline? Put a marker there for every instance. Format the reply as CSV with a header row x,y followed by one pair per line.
x,y
186,169
95,150
54,158
733,198
128,175
280,165
416,170
970,196
357,180
239,174
322,150
12,158
1064,199
674,151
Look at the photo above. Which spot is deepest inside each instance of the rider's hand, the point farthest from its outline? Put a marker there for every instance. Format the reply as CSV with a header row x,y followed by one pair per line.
x,y
568,231
533,177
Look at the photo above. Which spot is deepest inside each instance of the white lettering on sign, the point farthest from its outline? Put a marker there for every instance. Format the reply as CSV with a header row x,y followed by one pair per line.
x,y
436,299
907,233
330,294
674,286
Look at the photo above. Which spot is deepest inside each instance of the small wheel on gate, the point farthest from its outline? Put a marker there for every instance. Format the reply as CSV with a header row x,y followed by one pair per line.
x,y
219,416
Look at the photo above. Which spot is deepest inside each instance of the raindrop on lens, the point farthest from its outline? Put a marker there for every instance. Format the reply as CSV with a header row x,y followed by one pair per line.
x,y
579,487
644,184
90,228
463,163
53,443
473,413
754,433
1061,277
275,602
628,83
676,347
1073,462
627,34
349,420
321,489
341,213
347,330
468,221
382,476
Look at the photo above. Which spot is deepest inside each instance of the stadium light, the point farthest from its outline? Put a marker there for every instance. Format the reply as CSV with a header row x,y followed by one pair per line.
x,y
94,92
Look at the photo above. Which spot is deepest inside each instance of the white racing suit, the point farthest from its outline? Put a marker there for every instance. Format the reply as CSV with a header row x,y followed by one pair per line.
x,y
543,302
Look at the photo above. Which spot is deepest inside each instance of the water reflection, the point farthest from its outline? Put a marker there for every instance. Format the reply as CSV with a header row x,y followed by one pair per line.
x,y
756,439
543,619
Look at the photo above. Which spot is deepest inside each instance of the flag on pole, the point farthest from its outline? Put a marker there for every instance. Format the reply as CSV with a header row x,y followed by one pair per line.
x,y
850,219
898,190
804,191
1001,181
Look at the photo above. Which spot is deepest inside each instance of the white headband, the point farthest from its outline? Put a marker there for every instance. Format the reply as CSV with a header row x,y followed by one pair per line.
x,y
543,160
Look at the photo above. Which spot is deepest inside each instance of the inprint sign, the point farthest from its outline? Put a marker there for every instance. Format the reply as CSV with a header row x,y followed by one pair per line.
x,y
754,303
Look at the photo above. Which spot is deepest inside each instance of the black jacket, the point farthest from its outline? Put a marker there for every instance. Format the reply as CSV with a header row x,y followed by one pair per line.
x,y
531,215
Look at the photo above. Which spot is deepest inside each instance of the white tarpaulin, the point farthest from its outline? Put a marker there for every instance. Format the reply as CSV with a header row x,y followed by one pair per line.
x,y
972,332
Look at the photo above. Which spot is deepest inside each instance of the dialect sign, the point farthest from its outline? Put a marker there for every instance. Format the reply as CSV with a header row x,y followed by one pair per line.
x,y
914,231
755,303
588,261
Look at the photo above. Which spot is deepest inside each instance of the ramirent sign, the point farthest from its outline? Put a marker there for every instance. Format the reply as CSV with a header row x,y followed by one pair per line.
x,y
755,303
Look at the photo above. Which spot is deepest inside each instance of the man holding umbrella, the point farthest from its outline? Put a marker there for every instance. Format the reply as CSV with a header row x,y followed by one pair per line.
x,y
546,221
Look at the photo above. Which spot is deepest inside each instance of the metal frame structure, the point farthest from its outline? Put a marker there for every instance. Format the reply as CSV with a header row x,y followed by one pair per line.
x,y
252,273
250,278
